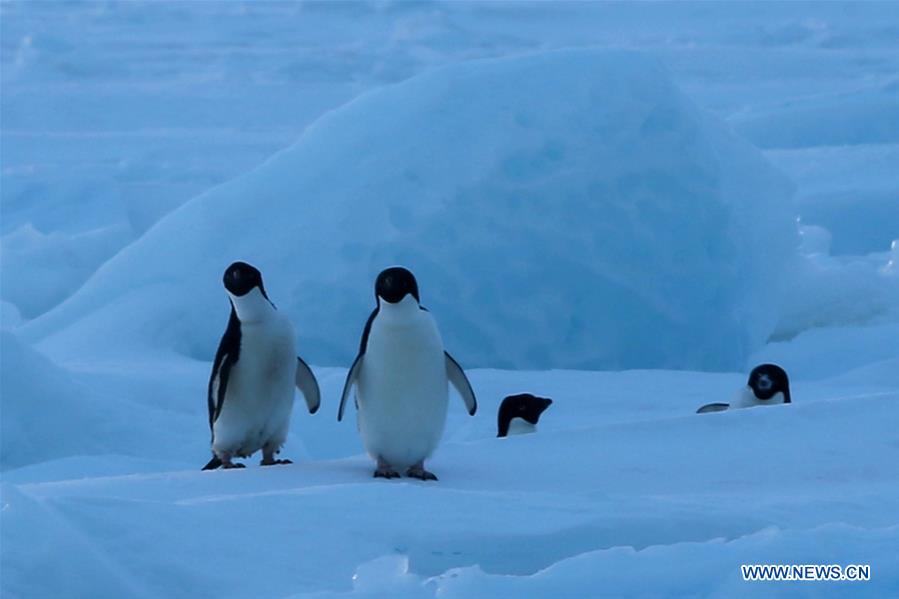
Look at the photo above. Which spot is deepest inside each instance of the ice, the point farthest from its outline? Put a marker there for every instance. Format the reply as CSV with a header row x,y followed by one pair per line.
x,y
9,315
51,413
682,570
582,214
838,291
45,414
866,116
623,483
821,352
892,266
39,532
814,240
139,141
388,575
41,270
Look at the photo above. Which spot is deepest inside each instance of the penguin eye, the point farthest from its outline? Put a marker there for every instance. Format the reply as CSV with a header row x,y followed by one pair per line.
x,y
236,274
764,383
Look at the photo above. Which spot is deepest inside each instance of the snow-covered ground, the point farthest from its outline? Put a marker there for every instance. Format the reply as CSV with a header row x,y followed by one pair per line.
x,y
587,197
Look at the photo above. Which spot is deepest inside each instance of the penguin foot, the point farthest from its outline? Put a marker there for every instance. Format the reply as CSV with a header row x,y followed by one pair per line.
x,y
230,465
418,471
385,470
274,462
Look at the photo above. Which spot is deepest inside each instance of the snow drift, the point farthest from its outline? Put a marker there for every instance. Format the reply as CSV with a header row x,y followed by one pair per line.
x,y
566,209
45,414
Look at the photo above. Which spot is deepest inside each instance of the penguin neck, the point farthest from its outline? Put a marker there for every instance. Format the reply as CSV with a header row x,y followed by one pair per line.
x,y
520,426
747,399
404,310
252,306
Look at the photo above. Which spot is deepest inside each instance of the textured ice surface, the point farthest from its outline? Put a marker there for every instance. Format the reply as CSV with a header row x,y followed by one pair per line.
x,y
623,485
45,414
565,209
114,114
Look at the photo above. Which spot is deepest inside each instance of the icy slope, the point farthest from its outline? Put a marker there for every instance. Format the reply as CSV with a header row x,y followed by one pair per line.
x,y
623,486
45,413
115,114
49,412
564,209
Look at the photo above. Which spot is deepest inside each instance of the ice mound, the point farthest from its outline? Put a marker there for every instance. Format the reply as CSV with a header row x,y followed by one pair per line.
x,y
10,317
41,270
45,413
866,116
838,291
567,209
893,265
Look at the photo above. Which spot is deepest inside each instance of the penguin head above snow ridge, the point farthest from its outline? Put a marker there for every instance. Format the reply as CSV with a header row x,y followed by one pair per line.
x,y
767,380
525,406
394,284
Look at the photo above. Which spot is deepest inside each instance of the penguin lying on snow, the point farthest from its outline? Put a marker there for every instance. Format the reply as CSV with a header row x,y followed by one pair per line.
x,y
400,376
768,385
250,392
519,414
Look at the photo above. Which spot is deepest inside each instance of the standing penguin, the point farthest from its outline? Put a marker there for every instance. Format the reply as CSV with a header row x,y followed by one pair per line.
x,y
400,376
519,414
768,385
250,392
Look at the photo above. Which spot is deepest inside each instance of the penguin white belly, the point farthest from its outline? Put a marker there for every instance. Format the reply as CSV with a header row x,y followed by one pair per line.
x,y
520,426
259,397
744,398
402,390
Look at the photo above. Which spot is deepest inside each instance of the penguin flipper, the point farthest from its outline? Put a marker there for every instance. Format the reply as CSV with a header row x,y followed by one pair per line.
x,y
351,378
218,388
457,378
713,407
308,386
227,354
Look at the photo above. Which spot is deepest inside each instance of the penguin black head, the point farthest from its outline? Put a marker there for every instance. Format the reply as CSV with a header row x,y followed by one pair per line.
x,y
767,380
525,406
395,283
241,278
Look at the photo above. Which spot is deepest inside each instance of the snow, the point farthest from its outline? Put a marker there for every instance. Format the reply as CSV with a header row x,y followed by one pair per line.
x,y
9,315
44,269
859,117
38,411
836,291
621,478
140,139
600,216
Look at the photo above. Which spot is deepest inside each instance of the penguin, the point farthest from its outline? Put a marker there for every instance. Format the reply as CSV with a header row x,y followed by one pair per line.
x,y
250,393
519,414
400,376
768,385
